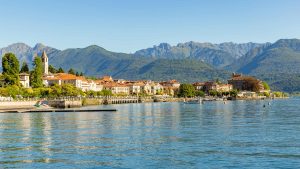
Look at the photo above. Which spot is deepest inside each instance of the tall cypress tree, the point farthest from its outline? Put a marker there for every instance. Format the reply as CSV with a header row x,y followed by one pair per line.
x,y
52,69
24,68
10,67
60,70
71,71
37,73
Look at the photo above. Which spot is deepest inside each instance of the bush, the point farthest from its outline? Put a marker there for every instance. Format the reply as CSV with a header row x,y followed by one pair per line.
x,y
186,90
213,93
233,93
200,93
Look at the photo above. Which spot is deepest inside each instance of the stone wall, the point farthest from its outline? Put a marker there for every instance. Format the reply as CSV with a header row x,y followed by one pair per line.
x,y
17,104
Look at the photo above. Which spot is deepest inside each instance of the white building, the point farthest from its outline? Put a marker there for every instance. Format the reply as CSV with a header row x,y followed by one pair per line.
x,y
24,79
117,88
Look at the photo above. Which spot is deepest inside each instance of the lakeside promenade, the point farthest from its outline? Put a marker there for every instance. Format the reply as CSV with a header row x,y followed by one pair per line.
x,y
73,102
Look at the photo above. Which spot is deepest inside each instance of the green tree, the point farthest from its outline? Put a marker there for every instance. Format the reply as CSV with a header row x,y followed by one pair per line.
x,y
77,74
81,74
218,81
71,71
60,70
266,85
105,92
186,90
233,93
10,67
37,73
199,93
13,90
24,68
52,69
70,90
213,93
56,90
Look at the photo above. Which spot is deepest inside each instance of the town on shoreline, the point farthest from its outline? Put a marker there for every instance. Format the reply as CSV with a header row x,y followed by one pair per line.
x,y
47,82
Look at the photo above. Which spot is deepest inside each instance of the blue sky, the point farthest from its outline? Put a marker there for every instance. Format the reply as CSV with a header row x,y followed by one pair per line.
x,y
130,25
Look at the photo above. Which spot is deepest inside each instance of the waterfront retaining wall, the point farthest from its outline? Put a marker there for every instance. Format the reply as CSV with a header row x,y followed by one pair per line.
x,y
17,104
65,103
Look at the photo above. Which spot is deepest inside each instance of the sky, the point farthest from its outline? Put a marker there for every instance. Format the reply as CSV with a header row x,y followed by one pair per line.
x,y
130,25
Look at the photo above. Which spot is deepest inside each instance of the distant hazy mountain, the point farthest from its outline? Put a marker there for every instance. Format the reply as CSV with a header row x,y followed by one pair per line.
x,y
218,55
278,63
25,52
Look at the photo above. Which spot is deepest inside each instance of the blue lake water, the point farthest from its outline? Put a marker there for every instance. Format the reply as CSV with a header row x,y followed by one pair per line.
x,y
239,134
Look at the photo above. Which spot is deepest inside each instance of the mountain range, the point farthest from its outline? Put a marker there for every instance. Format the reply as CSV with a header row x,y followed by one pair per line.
x,y
218,55
277,63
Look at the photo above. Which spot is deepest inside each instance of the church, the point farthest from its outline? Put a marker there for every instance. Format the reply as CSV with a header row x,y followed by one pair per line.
x,y
65,78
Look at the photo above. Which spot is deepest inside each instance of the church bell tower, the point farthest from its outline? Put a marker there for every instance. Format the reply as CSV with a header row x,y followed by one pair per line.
x,y
45,63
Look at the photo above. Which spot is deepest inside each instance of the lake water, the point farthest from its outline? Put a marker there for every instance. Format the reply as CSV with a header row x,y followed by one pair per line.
x,y
239,134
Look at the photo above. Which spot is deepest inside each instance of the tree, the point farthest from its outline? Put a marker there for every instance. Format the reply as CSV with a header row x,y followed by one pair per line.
x,y
200,93
186,90
81,74
60,70
252,84
233,93
218,81
52,69
71,71
213,93
24,68
105,92
266,85
37,73
10,67
77,74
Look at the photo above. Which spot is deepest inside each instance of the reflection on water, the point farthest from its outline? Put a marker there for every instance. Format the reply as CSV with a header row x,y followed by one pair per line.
x,y
240,134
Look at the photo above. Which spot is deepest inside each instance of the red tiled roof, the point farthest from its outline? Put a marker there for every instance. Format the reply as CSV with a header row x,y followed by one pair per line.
x,y
64,76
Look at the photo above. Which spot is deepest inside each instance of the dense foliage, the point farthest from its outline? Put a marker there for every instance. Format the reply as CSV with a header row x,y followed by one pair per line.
x,y
10,66
54,91
52,69
60,70
71,71
24,68
186,90
37,73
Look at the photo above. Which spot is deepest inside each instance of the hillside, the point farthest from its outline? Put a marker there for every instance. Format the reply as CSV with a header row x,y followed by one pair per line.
x,y
25,52
218,55
96,61
277,63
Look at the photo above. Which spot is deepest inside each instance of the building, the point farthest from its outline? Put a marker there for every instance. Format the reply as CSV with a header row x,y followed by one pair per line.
x,y
246,83
217,87
146,88
45,63
107,79
156,88
171,83
199,85
63,78
77,81
117,88
24,79
135,87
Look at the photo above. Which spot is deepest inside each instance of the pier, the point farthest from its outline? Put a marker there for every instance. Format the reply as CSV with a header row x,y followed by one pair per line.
x,y
121,100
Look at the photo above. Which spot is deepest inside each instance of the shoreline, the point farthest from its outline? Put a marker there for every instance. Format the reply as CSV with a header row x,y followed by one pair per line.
x,y
13,108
